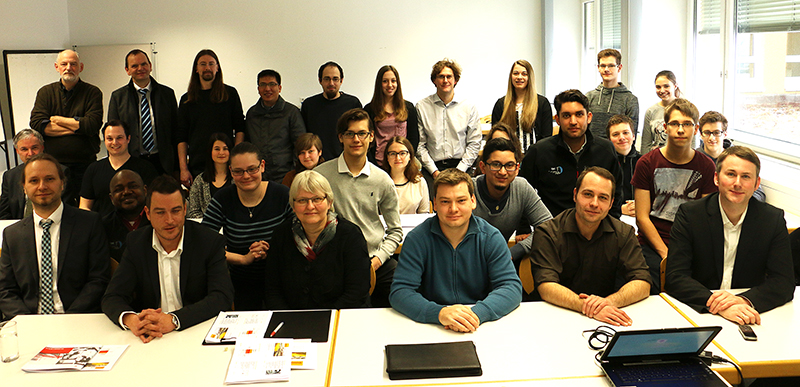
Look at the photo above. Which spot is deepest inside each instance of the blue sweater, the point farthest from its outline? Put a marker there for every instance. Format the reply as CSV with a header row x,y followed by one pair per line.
x,y
431,275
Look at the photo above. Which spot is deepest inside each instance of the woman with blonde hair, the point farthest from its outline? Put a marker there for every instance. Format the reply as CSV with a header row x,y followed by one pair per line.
x,y
317,259
401,164
393,116
522,109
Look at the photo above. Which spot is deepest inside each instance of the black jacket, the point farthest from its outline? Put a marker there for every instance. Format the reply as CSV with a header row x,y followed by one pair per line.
x,y
551,168
124,106
696,253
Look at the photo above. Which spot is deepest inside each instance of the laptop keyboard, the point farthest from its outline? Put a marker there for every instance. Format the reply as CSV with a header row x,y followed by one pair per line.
x,y
663,372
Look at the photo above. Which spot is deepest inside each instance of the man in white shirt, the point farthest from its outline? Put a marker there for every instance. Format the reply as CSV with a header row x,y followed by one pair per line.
x,y
188,260
730,240
55,260
449,129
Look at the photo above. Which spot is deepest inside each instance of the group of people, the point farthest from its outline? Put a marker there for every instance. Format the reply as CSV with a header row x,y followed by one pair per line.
x,y
309,201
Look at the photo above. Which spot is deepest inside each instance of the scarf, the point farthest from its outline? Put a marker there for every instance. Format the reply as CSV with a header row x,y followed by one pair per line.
x,y
300,240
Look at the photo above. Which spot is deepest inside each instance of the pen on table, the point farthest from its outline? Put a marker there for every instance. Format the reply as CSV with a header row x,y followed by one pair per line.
x,y
276,329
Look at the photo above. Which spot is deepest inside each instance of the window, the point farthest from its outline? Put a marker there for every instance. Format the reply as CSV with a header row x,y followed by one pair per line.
x,y
748,67
603,26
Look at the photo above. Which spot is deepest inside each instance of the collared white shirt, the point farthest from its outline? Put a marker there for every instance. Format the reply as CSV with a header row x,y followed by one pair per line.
x,y
149,89
55,238
731,232
341,166
447,131
169,275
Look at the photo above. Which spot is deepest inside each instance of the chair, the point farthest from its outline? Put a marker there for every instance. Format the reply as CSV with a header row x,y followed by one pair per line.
x,y
663,272
526,276
372,279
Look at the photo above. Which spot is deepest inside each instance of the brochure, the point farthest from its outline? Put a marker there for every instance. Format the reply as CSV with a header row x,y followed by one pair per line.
x,y
230,326
257,360
75,358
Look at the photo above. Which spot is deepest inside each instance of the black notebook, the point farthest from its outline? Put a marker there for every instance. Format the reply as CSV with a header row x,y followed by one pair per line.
x,y
437,360
302,324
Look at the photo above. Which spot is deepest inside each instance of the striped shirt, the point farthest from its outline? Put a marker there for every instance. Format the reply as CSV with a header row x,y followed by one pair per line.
x,y
227,212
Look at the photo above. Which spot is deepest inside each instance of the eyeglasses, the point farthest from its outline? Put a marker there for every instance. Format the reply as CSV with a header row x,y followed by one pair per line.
x,y
607,66
715,133
684,125
328,79
349,135
270,85
250,171
495,166
398,154
315,200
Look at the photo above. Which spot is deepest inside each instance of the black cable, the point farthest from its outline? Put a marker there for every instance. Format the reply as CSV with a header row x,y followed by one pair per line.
x,y
600,336
719,359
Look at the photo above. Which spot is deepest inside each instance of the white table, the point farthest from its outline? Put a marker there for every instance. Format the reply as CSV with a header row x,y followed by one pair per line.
x,y
537,342
777,351
177,359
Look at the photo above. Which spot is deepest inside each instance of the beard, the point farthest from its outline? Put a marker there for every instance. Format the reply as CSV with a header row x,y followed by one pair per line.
x,y
208,76
67,77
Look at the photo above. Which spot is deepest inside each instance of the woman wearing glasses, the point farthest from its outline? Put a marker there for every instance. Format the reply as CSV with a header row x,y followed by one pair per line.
x,y
248,212
317,260
216,176
653,134
401,164
393,116
526,112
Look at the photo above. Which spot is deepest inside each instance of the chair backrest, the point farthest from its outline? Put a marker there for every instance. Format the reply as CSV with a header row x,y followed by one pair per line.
x,y
526,276
372,279
663,272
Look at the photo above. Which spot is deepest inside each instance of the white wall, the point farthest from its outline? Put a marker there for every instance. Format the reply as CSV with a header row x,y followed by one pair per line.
x,y
30,25
659,33
296,37
562,52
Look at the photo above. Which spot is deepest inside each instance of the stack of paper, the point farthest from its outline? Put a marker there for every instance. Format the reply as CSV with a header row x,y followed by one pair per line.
x,y
260,360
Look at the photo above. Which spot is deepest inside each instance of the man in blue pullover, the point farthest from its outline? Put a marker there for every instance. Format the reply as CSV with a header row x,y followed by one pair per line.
x,y
452,259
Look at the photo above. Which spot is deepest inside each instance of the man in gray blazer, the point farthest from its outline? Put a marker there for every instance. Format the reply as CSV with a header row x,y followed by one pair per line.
x,y
27,143
56,260
151,112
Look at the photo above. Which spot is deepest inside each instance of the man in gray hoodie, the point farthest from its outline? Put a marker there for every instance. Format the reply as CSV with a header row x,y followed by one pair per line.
x,y
611,97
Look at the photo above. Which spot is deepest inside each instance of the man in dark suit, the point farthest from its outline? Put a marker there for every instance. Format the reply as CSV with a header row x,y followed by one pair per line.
x,y
728,241
27,143
37,276
151,121
173,273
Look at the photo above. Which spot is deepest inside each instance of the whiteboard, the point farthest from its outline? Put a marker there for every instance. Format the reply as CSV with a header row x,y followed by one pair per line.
x,y
26,73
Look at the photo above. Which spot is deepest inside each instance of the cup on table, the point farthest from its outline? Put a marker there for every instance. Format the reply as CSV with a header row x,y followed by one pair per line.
x,y
9,346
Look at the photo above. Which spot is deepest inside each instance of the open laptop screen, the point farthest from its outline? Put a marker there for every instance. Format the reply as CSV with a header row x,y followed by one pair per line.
x,y
659,342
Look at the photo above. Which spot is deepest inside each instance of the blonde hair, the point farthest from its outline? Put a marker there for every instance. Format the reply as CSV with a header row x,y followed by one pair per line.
x,y
530,103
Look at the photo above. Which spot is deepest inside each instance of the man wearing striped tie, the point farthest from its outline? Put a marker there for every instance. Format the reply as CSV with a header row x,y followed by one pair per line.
x,y
55,260
151,112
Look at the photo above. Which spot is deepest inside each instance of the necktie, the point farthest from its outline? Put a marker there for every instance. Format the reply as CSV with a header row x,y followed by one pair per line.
x,y
47,269
147,124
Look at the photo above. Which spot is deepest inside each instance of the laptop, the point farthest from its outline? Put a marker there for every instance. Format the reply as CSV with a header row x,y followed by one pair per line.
x,y
660,357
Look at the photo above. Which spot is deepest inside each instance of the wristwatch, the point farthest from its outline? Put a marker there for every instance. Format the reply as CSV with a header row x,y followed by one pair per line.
x,y
175,321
